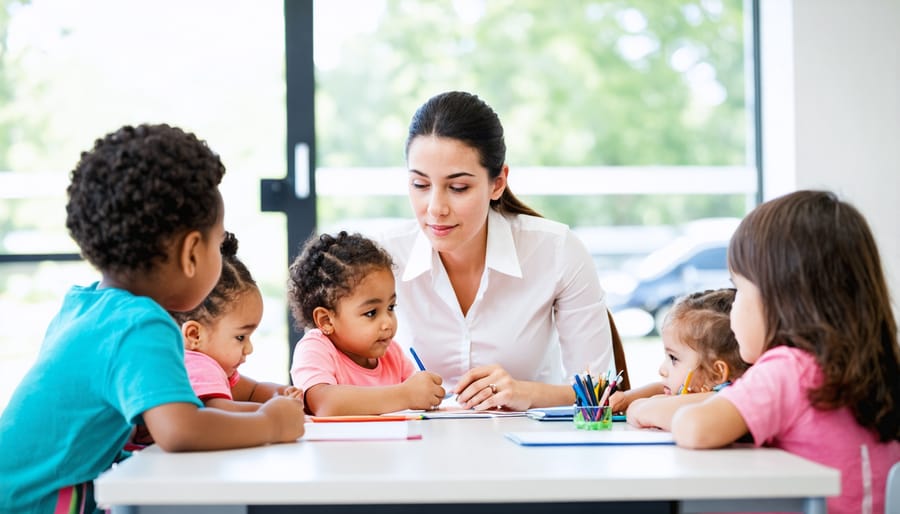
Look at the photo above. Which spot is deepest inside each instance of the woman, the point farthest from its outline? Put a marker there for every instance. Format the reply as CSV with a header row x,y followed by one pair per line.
x,y
503,304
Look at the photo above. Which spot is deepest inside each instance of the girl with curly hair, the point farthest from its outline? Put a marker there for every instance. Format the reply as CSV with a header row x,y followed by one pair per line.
x,y
217,339
342,289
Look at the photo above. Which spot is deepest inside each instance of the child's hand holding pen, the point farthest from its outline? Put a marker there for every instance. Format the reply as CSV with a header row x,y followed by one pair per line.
x,y
285,418
421,366
424,391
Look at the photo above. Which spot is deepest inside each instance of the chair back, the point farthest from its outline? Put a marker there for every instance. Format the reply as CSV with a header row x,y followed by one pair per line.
x,y
619,354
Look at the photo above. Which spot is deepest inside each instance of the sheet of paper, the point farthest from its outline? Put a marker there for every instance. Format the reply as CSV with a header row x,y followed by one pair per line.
x,y
590,437
450,409
360,418
362,431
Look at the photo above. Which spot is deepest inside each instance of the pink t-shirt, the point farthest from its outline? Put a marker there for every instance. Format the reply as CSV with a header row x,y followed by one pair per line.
x,y
317,361
772,399
207,377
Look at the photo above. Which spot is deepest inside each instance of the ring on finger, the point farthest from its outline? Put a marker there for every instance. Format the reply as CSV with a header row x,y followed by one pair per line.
x,y
493,388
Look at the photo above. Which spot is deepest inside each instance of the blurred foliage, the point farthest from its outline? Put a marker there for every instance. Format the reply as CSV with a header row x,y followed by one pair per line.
x,y
554,72
579,83
15,123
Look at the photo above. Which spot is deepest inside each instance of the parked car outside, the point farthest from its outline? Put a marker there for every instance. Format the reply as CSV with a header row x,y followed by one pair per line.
x,y
694,261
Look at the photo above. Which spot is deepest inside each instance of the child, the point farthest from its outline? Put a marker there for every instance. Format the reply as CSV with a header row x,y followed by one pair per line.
x,y
145,210
217,339
701,356
349,363
813,313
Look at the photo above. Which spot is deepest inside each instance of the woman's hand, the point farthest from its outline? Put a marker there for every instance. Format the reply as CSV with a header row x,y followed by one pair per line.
x,y
492,387
424,390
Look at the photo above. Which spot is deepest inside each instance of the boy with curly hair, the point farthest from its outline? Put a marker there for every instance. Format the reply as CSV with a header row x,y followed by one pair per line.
x,y
145,210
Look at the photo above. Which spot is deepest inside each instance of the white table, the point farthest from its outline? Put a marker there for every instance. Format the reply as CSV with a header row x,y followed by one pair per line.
x,y
466,465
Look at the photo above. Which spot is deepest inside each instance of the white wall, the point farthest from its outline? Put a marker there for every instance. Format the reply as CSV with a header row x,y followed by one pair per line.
x,y
831,108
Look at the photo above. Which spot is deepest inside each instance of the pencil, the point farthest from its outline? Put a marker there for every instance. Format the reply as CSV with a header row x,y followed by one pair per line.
x,y
687,382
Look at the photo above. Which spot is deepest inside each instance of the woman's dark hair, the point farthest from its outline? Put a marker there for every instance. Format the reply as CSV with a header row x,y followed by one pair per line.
x,y
702,321
327,269
468,119
135,190
234,282
818,271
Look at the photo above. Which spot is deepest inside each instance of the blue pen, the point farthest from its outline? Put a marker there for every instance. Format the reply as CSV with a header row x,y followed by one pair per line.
x,y
416,357
579,391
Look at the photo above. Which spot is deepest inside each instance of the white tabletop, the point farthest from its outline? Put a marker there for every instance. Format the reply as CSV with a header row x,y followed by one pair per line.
x,y
460,461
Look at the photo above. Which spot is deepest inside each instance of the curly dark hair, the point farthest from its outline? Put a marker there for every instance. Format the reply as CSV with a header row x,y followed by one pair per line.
x,y
136,189
327,269
702,321
815,262
234,282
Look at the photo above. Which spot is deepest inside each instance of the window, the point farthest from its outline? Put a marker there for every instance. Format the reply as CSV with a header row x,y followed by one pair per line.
x,y
72,72
625,120
628,121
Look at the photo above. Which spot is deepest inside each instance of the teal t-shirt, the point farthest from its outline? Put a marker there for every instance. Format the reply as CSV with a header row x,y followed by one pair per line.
x,y
107,357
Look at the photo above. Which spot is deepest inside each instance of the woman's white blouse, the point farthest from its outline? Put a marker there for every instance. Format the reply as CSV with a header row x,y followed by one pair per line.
x,y
539,312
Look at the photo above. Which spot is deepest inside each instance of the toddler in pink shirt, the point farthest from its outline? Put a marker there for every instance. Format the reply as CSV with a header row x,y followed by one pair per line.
x,y
217,339
341,290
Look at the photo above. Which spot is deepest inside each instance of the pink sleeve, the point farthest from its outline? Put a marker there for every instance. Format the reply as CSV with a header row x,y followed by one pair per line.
x,y
313,363
768,396
207,377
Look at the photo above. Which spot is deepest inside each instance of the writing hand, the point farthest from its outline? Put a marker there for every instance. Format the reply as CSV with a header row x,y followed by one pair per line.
x,y
293,392
424,390
285,416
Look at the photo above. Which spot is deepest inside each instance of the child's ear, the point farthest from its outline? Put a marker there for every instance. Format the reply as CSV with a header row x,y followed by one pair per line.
x,y
721,371
193,333
322,319
187,254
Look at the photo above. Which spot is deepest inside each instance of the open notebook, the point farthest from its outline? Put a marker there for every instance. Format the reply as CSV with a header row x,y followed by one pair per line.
x,y
450,409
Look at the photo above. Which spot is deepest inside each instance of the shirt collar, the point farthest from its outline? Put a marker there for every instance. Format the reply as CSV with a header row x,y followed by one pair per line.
x,y
501,247
501,250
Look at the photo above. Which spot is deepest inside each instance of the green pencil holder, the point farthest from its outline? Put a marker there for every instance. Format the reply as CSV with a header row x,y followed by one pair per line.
x,y
593,418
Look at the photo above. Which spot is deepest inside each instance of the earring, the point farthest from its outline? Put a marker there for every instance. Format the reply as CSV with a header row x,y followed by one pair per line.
x,y
326,331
